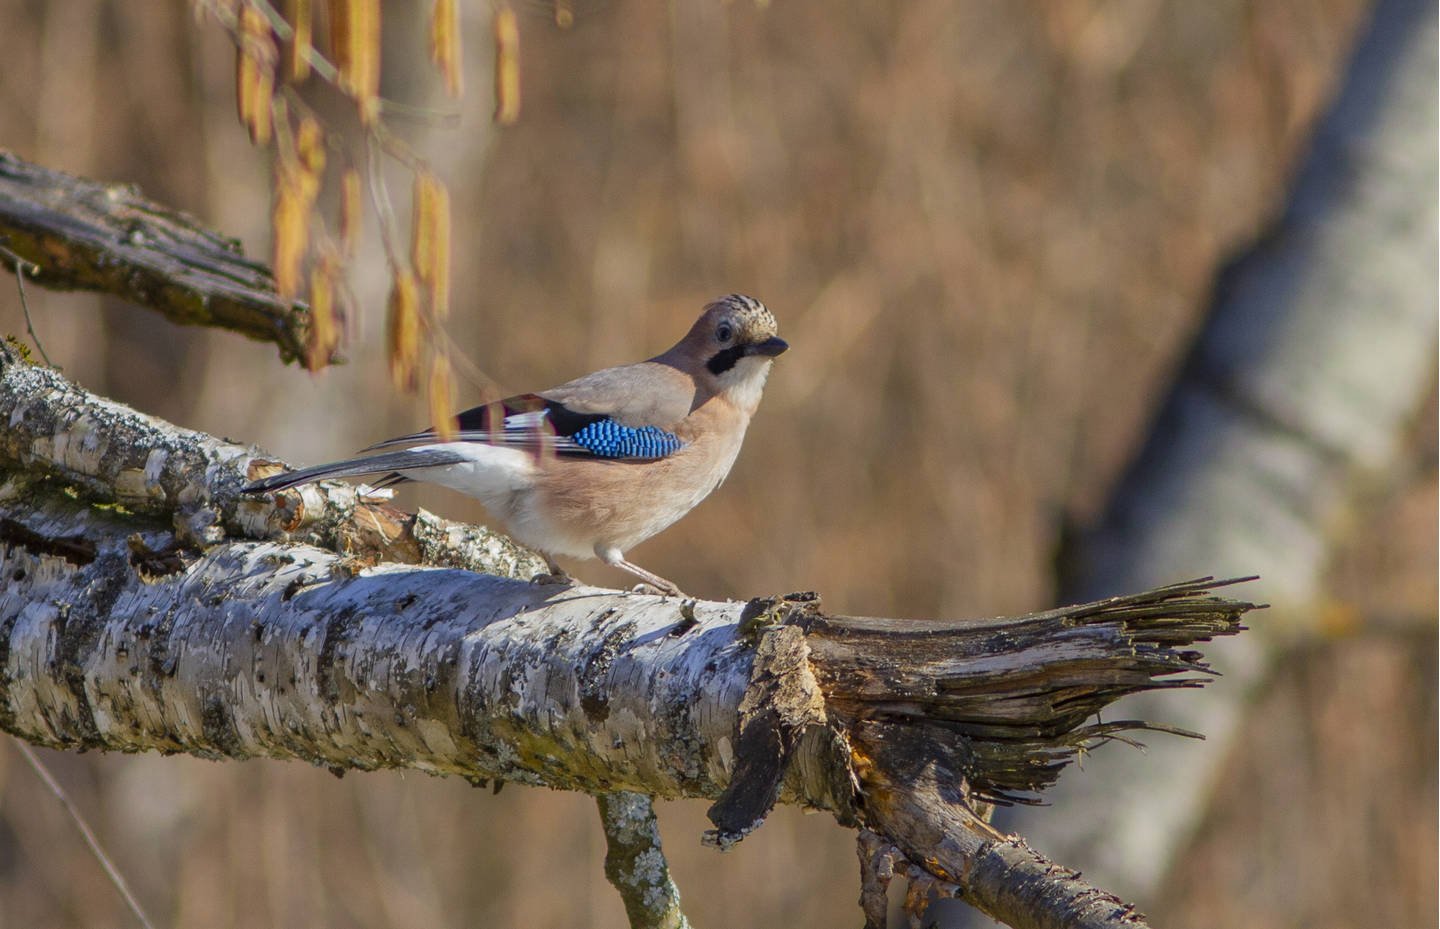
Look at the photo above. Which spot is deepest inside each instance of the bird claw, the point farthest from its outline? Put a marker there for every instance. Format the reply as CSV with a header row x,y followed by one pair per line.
x,y
654,590
558,578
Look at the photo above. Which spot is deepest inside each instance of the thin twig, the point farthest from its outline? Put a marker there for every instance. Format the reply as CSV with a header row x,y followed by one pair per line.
x,y
489,388
429,116
35,763
226,18
382,142
20,273
380,199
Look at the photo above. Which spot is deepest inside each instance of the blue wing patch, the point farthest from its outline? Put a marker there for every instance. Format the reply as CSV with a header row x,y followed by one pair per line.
x,y
606,438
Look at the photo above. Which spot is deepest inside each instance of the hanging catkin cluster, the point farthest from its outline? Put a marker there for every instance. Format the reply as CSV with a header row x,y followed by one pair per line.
x,y
276,53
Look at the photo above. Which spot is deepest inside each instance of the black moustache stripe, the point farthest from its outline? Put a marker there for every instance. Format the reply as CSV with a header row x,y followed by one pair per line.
x,y
725,359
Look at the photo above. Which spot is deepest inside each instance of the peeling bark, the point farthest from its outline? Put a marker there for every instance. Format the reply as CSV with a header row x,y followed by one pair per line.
x,y
82,235
782,705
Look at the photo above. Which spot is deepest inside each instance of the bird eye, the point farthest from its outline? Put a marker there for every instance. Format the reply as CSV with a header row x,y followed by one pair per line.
x,y
723,332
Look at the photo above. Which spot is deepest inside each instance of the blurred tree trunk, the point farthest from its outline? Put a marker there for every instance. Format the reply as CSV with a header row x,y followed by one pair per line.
x,y
1318,349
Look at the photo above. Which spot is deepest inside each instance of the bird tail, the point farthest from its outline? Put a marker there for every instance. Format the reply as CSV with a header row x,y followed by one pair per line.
x,y
394,464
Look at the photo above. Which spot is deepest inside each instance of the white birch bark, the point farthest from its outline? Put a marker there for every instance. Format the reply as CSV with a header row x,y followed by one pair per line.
x,y
277,650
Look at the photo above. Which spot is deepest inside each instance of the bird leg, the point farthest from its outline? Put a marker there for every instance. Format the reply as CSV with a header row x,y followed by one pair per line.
x,y
615,559
655,581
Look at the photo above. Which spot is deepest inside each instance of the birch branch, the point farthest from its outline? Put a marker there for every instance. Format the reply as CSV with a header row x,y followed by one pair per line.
x,y
83,235
147,607
108,453
634,864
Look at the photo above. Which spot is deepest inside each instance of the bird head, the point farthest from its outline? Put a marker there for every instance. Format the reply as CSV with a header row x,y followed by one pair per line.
x,y
734,342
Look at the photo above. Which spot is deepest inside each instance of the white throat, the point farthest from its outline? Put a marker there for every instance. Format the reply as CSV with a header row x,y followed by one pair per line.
x,y
743,384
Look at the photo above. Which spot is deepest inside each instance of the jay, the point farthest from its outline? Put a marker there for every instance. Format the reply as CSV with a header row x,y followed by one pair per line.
x,y
597,465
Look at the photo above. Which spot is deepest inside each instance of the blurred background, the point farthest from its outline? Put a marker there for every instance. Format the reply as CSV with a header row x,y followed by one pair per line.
x,y
988,231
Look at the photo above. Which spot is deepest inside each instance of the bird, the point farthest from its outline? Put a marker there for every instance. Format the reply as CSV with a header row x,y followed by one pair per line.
x,y
599,464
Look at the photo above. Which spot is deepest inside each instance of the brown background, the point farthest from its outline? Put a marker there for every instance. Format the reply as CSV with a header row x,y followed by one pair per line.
x,y
987,230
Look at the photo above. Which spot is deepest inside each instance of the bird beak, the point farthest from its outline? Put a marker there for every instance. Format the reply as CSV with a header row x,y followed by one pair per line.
x,y
771,346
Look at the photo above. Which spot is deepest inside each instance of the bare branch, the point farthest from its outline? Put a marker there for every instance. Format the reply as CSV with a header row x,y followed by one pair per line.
x,y
877,870
23,267
917,797
83,235
634,863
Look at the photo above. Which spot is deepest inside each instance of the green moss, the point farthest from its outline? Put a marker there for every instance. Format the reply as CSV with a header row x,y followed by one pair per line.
x,y
21,348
